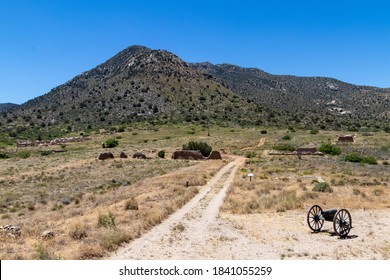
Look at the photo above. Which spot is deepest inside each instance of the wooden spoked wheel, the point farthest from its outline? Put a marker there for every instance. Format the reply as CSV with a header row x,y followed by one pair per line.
x,y
314,218
342,222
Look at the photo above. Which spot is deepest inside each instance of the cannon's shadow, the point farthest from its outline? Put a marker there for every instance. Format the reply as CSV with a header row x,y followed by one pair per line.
x,y
332,233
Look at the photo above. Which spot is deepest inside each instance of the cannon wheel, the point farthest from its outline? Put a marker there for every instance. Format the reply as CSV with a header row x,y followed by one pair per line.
x,y
314,218
342,222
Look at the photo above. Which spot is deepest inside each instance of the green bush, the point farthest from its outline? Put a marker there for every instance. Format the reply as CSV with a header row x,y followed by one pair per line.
x,y
24,154
111,143
284,147
322,187
354,157
370,160
250,154
314,131
107,221
3,155
41,252
161,154
286,137
46,153
203,147
329,149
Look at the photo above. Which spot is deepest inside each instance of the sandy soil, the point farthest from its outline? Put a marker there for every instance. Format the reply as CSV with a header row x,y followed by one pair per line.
x,y
198,231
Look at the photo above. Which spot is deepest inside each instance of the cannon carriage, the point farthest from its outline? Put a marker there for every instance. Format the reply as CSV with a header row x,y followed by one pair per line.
x,y
341,219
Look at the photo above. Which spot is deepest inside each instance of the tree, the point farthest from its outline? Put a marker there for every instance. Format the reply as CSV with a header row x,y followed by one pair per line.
x,y
203,147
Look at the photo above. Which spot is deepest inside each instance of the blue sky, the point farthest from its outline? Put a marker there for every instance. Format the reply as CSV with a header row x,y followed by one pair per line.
x,y
45,43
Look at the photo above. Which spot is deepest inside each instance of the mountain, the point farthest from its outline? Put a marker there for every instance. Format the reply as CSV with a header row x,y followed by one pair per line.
x,y
7,106
144,84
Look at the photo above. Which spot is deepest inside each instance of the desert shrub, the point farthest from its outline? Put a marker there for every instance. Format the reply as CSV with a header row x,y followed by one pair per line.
x,y
78,230
322,187
286,137
309,195
46,153
287,200
161,154
250,154
107,221
3,155
111,143
111,239
203,147
24,154
131,204
370,160
284,147
41,253
354,157
329,149
377,192
89,252
178,227
314,131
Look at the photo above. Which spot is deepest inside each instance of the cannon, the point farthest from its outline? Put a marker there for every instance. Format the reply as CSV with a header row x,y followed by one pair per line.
x,y
342,221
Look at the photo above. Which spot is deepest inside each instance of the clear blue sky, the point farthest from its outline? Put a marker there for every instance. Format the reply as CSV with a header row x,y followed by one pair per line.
x,y
46,43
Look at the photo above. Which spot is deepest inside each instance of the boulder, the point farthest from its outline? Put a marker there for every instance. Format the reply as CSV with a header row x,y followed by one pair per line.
x,y
139,155
123,155
107,155
47,234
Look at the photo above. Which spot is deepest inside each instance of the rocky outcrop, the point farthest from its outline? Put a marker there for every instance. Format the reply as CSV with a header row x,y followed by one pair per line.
x,y
11,231
47,234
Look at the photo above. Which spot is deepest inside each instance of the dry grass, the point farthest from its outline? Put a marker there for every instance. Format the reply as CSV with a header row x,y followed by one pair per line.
x,y
68,192
284,183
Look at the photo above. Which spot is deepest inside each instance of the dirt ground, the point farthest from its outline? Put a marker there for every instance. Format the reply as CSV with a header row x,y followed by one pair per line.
x,y
199,231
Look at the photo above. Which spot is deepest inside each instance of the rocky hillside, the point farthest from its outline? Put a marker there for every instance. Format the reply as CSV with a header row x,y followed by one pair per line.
x,y
143,84
299,97
136,84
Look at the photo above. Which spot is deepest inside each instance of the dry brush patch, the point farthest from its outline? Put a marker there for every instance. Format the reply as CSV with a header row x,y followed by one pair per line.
x,y
288,183
69,197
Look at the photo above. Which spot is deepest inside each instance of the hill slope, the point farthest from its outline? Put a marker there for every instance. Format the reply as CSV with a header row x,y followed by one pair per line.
x,y
299,96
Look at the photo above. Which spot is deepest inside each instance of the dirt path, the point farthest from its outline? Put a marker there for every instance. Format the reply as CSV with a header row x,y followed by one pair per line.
x,y
261,143
188,233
